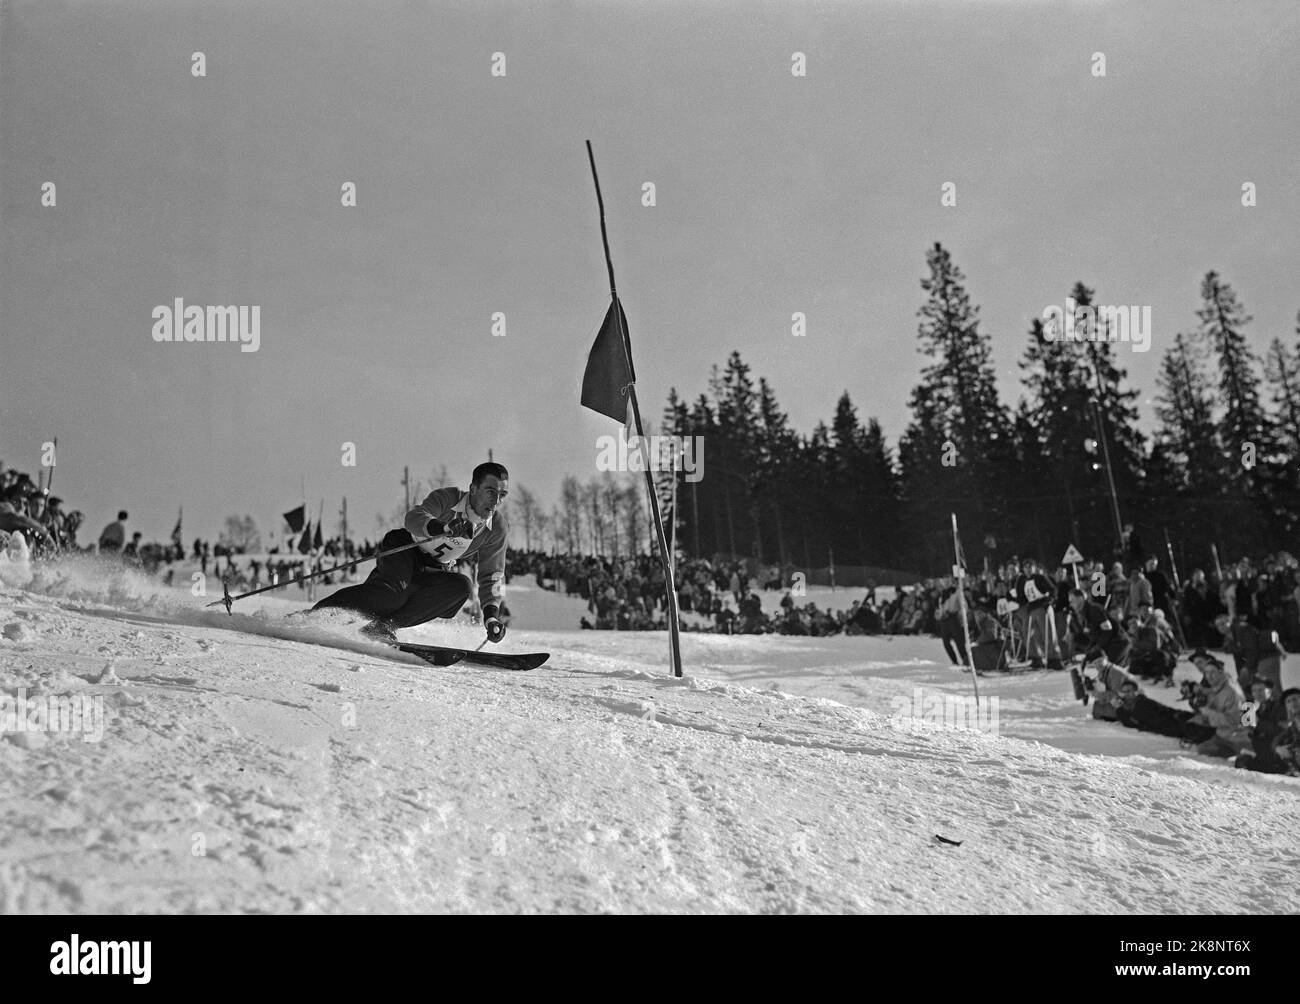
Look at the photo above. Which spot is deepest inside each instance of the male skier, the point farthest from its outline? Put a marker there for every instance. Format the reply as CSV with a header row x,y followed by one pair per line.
x,y
419,584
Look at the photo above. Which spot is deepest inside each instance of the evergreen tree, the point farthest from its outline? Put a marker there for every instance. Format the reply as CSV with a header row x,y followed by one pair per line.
x,y
1187,433
1282,370
1245,431
957,453
1055,426
778,447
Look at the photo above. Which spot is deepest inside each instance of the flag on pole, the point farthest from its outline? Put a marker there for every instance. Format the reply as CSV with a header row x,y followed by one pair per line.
x,y
609,372
295,518
304,542
176,530
316,541
609,387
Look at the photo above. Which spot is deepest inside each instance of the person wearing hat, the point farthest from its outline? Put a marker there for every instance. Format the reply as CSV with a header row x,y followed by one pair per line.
x,y
1222,710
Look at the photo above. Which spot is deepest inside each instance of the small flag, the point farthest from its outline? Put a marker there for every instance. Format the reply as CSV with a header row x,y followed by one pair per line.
x,y
304,542
295,517
609,374
176,530
316,542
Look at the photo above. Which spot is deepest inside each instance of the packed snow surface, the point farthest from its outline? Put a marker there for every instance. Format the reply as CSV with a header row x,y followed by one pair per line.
x,y
275,763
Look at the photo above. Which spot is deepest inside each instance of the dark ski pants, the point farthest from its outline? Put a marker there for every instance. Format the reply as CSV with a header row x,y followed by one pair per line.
x,y
402,590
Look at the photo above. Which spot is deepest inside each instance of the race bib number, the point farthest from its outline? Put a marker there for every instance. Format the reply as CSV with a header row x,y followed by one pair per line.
x,y
1031,591
446,548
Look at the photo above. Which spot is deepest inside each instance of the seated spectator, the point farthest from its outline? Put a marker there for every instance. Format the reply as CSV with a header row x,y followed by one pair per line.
x,y
1154,652
989,647
1222,710
1286,747
1265,716
13,518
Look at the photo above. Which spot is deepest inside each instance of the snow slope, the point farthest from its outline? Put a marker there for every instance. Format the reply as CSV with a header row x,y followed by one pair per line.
x,y
253,770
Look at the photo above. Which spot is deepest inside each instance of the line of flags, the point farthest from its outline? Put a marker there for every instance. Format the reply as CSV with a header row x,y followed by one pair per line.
x,y
300,524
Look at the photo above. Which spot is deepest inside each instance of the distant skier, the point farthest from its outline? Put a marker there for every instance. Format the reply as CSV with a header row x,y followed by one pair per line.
x,y
418,584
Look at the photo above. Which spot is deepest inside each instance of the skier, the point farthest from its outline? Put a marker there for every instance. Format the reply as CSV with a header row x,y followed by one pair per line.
x,y
418,584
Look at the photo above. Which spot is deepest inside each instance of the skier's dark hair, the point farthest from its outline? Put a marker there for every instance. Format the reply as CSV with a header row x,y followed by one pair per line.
x,y
483,470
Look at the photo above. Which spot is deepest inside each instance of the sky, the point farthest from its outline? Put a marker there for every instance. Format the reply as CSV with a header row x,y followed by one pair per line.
x,y
775,194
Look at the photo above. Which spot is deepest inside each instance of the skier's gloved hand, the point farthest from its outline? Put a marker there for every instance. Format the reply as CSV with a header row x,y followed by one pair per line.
x,y
460,527
434,529
492,624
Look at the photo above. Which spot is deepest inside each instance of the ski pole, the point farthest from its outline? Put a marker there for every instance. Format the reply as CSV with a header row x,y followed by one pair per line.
x,y
227,600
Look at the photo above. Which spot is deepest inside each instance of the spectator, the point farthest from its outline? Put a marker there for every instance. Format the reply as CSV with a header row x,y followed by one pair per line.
x,y
132,550
1255,651
113,538
1137,711
1139,593
1286,747
1265,716
1096,632
1200,607
1221,710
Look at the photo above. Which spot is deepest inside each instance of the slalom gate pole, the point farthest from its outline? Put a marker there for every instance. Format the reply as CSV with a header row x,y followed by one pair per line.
x,y
227,600
670,586
1178,592
959,573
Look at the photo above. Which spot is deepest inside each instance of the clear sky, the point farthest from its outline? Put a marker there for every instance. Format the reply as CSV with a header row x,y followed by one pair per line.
x,y
775,194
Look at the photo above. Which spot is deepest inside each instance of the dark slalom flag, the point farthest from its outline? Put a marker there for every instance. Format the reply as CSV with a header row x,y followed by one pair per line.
x,y
609,370
608,387
304,542
295,517
316,541
176,530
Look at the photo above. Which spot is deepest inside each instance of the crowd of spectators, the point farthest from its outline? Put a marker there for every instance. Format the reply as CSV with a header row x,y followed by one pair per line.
x,y
50,531
1114,625
627,594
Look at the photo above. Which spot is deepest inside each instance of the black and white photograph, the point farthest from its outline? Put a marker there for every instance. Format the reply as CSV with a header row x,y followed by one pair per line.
x,y
648,457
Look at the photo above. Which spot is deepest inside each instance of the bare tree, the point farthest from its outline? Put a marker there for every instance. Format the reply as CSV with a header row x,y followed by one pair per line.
x,y
530,516
241,535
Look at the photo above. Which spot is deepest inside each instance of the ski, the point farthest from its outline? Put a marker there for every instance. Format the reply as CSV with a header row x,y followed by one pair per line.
x,y
440,655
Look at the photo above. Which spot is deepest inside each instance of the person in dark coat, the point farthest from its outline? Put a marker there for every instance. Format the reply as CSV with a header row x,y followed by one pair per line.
x,y
1096,632
1137,711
